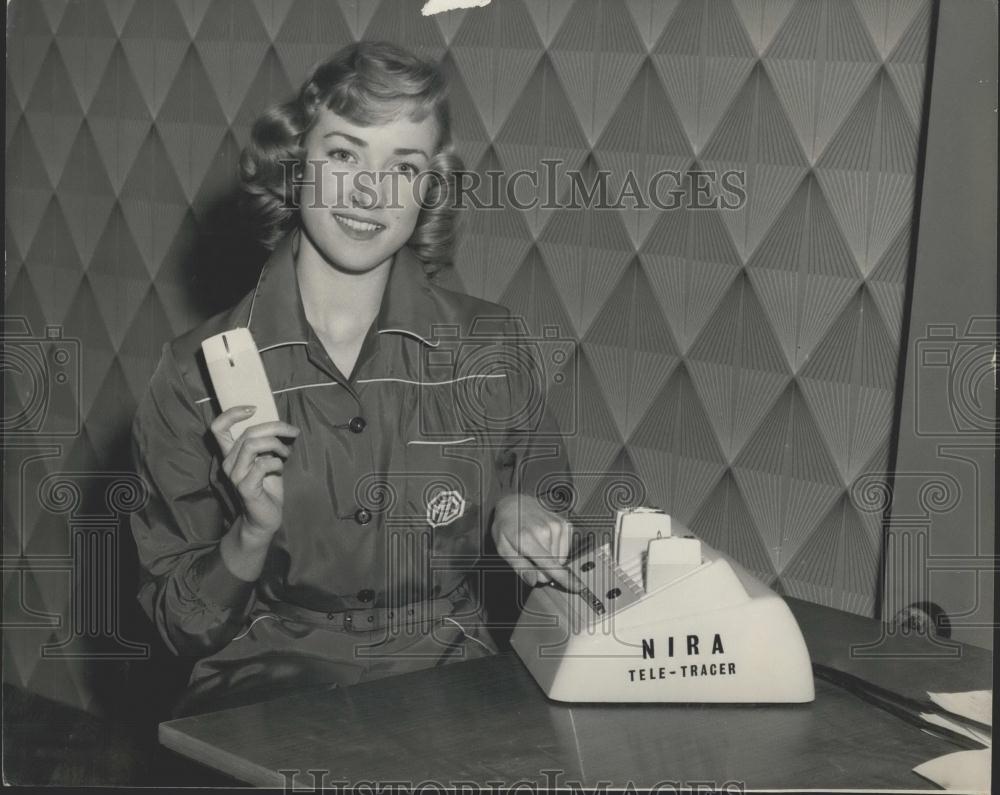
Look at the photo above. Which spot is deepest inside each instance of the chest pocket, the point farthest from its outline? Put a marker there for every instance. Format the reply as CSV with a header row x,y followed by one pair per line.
x,y
447,488
445,484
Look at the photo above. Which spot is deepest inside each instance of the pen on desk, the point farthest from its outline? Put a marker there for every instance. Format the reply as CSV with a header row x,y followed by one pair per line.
x,y
901,707
580,587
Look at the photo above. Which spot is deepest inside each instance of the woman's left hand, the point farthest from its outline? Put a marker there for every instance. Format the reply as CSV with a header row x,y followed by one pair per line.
x,y
533,540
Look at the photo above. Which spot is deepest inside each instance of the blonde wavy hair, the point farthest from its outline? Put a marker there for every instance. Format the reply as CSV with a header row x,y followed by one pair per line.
x,y
367,83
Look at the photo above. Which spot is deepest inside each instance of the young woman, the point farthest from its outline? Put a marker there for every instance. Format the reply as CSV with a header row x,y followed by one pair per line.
x,y
339,544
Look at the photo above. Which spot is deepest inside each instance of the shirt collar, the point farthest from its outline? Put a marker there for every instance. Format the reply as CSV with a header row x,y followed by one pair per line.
x,y
277,317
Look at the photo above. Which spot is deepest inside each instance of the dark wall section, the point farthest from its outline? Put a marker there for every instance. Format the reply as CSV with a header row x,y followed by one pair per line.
x,y
943,530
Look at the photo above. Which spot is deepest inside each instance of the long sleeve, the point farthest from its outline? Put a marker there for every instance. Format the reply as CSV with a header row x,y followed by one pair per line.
x,y
196,603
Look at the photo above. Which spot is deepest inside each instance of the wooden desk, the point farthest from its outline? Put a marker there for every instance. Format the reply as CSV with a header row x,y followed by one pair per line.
x,y
487,722
904,664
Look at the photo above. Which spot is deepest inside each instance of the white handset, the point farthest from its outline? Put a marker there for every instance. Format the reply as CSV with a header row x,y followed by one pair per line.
x,y
238,376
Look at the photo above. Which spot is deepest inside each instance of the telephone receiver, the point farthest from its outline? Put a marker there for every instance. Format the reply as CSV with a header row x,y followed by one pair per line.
x,y
238,377
663,618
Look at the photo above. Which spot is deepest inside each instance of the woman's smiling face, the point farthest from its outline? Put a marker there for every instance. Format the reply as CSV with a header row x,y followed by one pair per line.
x,y
359,199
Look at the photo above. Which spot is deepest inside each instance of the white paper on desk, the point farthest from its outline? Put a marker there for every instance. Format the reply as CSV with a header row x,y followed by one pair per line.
x,y
975,705
961,728
965,770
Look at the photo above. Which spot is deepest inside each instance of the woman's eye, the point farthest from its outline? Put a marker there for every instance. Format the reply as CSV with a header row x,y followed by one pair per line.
x,y
341,155
409,169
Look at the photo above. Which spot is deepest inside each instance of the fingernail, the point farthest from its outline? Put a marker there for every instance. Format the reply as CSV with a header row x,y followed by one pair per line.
x,y
249,409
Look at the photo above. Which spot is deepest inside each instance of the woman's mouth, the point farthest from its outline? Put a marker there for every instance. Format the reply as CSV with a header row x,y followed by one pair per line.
x,y
358,228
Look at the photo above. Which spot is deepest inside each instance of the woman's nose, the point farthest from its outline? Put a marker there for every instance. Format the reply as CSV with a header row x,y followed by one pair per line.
x,y
364,193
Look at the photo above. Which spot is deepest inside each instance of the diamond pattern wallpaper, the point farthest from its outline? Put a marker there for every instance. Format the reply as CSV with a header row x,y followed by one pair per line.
x,y
739,363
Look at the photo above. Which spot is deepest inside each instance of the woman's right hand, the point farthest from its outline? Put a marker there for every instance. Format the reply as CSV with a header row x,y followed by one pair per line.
x,y
254,463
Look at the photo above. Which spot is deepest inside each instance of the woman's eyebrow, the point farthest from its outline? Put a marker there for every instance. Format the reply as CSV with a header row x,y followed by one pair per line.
x,y
360,142
411,152
353,139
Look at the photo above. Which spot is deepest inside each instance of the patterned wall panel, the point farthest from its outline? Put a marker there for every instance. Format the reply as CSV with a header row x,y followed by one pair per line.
x,y
740,362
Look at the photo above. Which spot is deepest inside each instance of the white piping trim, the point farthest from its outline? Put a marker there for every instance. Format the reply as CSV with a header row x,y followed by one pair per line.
x,y
246,632
449,441
467,635
253,298
281,344
378,380
431,383
304,386
424,340
282,391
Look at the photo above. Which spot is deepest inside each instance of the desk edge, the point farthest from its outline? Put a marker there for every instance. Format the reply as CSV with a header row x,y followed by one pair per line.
x,y
214,758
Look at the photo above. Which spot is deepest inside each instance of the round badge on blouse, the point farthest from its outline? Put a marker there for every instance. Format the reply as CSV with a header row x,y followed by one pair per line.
x,y
444,508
